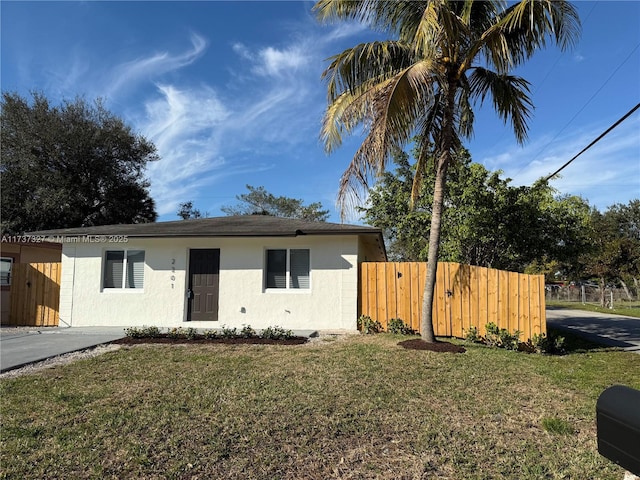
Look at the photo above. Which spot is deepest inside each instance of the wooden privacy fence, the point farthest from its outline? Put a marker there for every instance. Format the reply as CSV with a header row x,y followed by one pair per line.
x,y
464,296
35,294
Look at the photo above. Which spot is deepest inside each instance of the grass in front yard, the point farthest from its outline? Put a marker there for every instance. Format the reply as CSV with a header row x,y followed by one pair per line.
x,y
361,407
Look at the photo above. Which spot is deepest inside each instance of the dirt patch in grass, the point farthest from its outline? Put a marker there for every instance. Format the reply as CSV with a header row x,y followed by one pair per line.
x,y
419,344
163,339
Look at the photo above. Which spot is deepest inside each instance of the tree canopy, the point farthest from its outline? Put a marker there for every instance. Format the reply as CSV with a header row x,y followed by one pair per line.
x,y
614,251
187,211
71,165
488,222
260,202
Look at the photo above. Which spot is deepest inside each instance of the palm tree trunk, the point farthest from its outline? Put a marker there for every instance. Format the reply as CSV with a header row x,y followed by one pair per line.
x,y
444,158
427,329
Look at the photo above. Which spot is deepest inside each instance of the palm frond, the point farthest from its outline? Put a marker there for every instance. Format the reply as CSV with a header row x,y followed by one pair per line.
x,y
396,17
428,32
464,112
341,117
394,112
510,96
526,27
356,68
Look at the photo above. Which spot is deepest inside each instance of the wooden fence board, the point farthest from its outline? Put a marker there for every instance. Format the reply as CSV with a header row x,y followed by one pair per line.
x,y
464,297
524,301
403,277
456,287
538,313
514,303
416,295
35,294
474,298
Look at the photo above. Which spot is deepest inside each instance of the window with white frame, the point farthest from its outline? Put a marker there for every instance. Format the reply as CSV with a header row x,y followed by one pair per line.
x,y
123,269
6,263
288,268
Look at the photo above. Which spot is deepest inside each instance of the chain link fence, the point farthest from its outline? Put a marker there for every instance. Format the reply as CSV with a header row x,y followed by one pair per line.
x,y
591,294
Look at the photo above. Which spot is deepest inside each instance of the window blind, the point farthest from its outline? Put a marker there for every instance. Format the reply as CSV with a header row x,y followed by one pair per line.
x,y
113,270
299,267
276,268
5,270
135,269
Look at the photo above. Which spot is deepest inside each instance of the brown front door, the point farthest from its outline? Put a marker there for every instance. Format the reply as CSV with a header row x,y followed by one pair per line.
x,y
204,277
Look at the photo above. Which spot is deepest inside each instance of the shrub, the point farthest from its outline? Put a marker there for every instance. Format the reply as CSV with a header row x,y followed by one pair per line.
x,y
247,332
366,325
276,333
191,333
211,334
548,344
227,332
397,326
176,332
500,337
142,332
472,335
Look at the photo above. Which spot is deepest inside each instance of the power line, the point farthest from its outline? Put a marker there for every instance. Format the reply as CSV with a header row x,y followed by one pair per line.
x,y
590,99
622,119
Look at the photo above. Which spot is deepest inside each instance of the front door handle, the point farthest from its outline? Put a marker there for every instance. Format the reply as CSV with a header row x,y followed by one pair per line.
x,y
189,294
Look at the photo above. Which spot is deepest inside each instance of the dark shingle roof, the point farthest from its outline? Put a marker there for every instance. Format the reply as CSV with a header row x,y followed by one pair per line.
x,y
234,226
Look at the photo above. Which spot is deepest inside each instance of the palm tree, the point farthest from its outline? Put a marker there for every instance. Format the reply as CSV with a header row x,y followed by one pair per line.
x,y
447,55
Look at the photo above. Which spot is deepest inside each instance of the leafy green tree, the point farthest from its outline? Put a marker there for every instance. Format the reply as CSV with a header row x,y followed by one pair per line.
x,y
72,165
614,251
445,55
187,211
627,218
260,202
488,222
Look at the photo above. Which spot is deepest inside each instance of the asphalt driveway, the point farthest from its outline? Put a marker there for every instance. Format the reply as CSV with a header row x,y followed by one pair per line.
x,y
22,346
613,330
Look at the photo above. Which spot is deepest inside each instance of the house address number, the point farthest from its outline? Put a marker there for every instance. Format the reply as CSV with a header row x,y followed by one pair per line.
x,y
173,272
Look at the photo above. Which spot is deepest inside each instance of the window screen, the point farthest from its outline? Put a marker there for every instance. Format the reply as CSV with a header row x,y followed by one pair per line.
x,y
299,267
117,262
113,269
5,270
135,269
276,269
288,268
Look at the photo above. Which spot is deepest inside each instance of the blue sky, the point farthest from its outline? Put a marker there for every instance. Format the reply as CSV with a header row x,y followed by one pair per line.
x,y
230,93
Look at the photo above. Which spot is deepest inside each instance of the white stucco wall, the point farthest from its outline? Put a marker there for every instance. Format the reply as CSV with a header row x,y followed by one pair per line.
x,y
330,303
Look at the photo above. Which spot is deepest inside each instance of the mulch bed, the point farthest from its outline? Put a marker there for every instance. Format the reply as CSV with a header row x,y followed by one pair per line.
x,y
419,344
163,339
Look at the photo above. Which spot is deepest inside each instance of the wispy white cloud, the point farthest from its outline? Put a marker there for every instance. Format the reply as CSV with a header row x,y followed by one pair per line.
x,y
185,127
607,173
274,62
145,69
205,134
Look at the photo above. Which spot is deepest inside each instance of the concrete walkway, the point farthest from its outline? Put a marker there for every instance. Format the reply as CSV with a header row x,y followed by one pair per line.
x,y
21,346
613,330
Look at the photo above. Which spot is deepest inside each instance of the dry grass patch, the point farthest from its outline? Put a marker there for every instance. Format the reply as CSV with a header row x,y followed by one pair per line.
x,y
362,407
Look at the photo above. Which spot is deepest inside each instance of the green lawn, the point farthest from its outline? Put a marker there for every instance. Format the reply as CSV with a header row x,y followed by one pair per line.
x,y
360,407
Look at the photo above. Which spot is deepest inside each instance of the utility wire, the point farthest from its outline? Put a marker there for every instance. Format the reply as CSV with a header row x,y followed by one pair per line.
x,y
622,119
588,101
